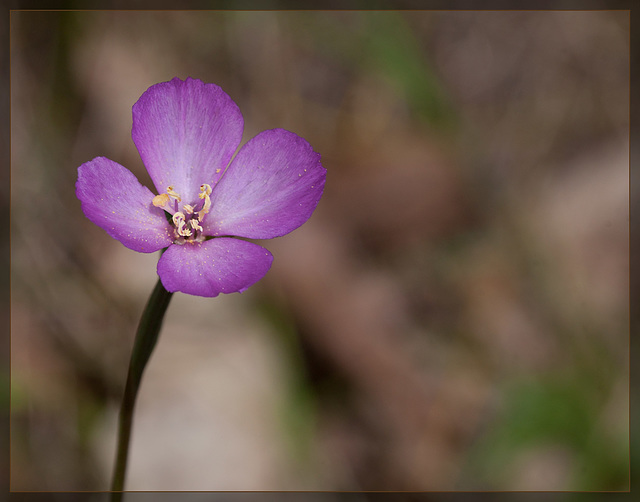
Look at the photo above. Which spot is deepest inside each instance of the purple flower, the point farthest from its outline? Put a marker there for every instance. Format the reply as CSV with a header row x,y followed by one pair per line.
x,y
186,133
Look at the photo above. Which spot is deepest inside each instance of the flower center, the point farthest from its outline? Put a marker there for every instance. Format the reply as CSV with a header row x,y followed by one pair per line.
x,y
186,219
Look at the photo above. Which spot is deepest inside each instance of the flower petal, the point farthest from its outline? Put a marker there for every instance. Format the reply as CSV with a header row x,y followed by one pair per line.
x,y
222,265
186,133
271,188
114,199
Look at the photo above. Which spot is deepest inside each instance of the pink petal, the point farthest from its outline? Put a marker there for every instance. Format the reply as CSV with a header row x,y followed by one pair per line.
x,y
221,265
271,188
186,133
114,199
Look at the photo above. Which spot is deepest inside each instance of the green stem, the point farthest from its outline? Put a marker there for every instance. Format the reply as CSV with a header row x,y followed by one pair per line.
x,y
146,338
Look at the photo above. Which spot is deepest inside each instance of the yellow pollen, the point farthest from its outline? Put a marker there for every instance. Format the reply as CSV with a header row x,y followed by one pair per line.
x,y
188,208
160,200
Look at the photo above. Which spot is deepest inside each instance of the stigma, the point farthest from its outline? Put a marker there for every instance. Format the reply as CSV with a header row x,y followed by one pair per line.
x,y
186,219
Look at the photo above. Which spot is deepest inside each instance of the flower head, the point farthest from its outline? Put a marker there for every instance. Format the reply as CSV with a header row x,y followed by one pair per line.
x,y
186,133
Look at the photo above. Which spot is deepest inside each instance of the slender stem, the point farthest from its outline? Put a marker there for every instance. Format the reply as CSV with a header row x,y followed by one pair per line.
x,y
146,338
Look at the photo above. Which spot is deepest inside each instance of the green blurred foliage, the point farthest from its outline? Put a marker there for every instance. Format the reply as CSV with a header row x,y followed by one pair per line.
x,y
554,410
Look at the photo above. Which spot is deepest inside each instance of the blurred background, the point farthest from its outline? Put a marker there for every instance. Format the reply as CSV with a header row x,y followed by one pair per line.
x,y
455,314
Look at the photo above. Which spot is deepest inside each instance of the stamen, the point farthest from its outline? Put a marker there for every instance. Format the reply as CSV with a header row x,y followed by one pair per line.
x,y
198,206
173,194
160,200
205,192
179,221
187,228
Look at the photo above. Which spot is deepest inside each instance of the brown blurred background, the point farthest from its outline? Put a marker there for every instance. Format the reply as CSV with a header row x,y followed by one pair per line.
x,y
455,314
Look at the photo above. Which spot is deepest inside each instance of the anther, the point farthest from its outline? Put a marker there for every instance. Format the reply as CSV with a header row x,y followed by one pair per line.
x,y
205,192
179,222
173,194
160,200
